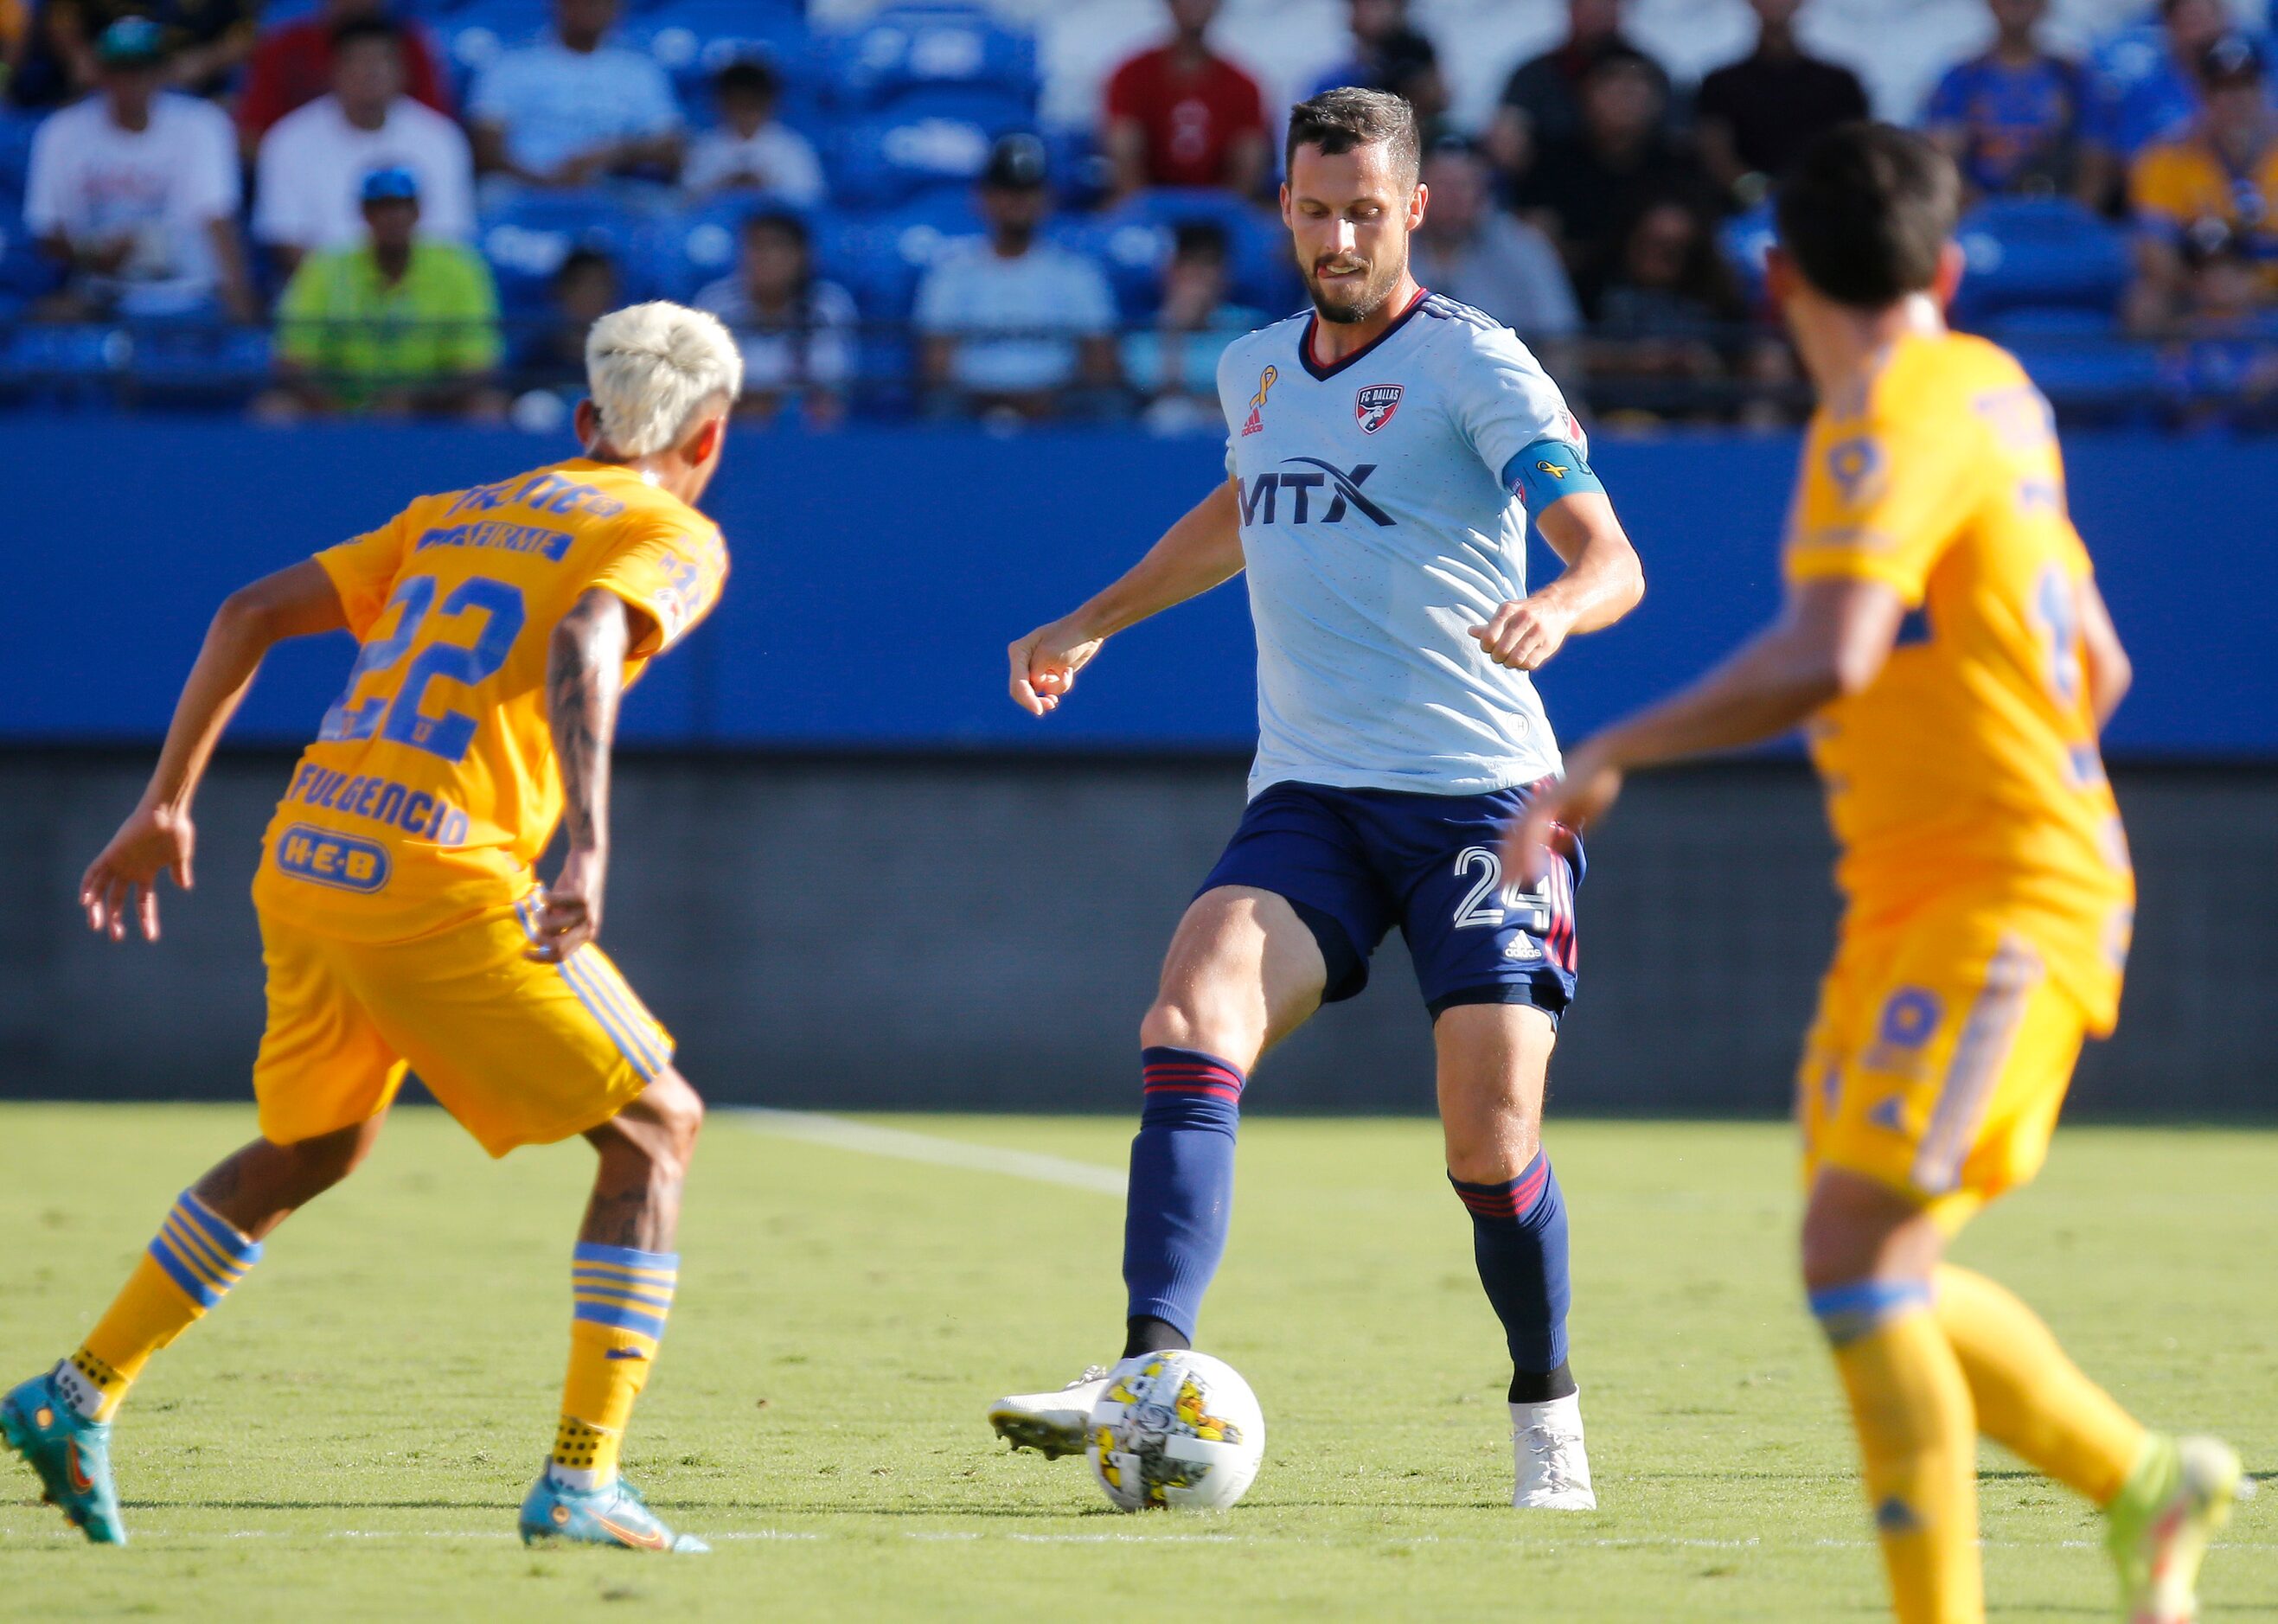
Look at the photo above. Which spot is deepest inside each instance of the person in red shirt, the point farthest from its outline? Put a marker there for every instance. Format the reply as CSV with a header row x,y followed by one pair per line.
x,y
1182,115
293,66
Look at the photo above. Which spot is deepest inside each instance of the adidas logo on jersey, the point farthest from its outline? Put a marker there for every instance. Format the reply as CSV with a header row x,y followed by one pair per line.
x,y
1257,419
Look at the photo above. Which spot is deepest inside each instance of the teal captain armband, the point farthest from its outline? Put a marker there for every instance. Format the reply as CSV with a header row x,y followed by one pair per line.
x,y
1546,471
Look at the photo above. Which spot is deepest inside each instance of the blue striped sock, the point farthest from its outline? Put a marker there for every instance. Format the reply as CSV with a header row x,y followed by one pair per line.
x,y
202,1252
1518,1239
1181,1196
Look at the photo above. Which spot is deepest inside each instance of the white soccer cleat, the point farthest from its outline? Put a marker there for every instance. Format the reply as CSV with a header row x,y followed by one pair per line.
x,y
1553,1468
1052,1423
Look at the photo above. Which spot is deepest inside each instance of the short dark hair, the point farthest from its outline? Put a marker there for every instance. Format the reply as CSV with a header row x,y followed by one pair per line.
x,y
1865,212
782,221
752,76
577,262
367,28
1203,238
1339,120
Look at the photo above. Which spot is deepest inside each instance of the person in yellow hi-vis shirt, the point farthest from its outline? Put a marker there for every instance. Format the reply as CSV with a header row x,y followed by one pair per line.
x,y
1944,645
402,926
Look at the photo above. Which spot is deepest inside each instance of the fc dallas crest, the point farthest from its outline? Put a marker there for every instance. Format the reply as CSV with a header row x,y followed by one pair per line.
x,y
1375,405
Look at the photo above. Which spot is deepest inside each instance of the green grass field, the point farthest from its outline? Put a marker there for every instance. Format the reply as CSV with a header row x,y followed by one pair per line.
x,y
349,1434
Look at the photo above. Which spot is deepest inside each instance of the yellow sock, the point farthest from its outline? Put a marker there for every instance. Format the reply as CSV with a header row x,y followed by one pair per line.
x,y
2029,1395
190,1266
1919,1439
621,1299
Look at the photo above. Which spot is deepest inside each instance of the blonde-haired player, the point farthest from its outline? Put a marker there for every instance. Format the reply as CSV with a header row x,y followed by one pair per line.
x,y
1946,643
403,926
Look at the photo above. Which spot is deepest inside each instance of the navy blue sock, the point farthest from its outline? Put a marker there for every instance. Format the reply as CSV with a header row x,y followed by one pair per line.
x,y
1518,1235
1182,1184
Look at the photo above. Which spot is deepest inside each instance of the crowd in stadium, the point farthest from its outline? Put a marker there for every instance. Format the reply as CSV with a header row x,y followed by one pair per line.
x,y
417,206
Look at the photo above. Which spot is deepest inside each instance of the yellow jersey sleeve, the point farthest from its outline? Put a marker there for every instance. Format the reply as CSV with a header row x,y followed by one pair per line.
x,y
1882,500
670,573
363,571
2169,187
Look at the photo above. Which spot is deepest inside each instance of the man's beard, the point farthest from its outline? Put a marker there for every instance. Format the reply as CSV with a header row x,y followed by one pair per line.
x,y
1348,304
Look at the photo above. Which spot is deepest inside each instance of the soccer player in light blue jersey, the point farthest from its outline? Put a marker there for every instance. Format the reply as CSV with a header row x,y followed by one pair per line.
x,y
1384,453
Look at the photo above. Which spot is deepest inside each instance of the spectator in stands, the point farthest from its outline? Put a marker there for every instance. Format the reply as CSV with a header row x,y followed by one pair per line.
x,y
1583,193
398,324
1182,115
15,32
1011,323
2224,171
135,192
292,65
798,332
1389,53
1669,310
2144,87
750,147
551,352
205,41
575,109
1174,364
2011,117
2223,362
313,160
1542,104
1474,252
1754,115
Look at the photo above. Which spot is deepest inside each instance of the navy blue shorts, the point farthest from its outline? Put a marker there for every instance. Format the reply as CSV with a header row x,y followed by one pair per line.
x,y
1354,862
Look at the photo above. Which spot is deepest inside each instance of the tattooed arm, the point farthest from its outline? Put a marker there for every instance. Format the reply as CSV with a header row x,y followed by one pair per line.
x,y
584,674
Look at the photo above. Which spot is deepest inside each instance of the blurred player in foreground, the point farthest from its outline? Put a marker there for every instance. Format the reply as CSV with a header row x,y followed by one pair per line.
x,y
1383,454
1944,642
401,922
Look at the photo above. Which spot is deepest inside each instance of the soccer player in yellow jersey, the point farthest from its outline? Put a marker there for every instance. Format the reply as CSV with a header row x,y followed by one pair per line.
x,y
401,923
1946,648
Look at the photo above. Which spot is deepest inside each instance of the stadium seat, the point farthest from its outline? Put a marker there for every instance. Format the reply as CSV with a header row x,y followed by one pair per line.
x,y
16,129
526,240
2101,377
472,36
2038,252
880,163
693,39
1746,238
880,259
1136,242
912,48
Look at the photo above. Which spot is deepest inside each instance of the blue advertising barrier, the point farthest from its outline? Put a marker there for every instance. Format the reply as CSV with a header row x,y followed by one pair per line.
x,y
879,573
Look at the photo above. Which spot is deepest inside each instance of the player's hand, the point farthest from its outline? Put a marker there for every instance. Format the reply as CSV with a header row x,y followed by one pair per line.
x,y
123,880
1525,633
1044,663
571,915
1571,803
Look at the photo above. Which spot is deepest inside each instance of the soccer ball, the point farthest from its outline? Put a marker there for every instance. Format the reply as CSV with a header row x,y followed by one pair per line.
x,y
1175,1429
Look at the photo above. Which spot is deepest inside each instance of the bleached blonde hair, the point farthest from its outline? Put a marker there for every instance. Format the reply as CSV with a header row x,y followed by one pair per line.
x,y
651,369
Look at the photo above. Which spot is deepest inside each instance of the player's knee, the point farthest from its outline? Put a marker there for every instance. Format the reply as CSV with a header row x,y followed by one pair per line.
x,y
679,1113
1190,1020
311,1166
1854,1230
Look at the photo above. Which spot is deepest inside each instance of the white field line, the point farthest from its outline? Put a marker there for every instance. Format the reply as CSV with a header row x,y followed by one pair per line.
x,y
1230,1538
843,1133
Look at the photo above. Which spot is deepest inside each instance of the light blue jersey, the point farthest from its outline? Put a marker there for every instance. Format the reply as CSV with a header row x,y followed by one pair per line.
x,y
1384,512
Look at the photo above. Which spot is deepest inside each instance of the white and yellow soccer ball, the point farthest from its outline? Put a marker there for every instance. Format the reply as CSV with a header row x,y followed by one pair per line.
x,y
1175,1429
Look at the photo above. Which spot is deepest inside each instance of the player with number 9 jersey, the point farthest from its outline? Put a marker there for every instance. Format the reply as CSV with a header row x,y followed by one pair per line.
x,y
1983,864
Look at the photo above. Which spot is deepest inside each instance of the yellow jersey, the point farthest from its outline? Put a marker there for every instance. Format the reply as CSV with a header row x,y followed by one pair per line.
x,y
432,786
2174,185
1968,770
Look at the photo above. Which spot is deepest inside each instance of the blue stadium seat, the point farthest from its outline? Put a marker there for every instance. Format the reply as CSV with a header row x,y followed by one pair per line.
x,y
880,163
881,258
2104,378
910,47
693,39
16,130
2038,252
1136,243
526,240
472,36
1746,238
208,363
25,272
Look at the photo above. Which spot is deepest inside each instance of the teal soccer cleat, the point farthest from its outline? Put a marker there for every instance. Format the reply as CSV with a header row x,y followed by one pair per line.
x,y
71,1453
615,1515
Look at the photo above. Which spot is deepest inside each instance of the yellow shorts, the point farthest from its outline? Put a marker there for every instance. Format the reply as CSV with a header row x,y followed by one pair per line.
x,y
1938,1062
521,1053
